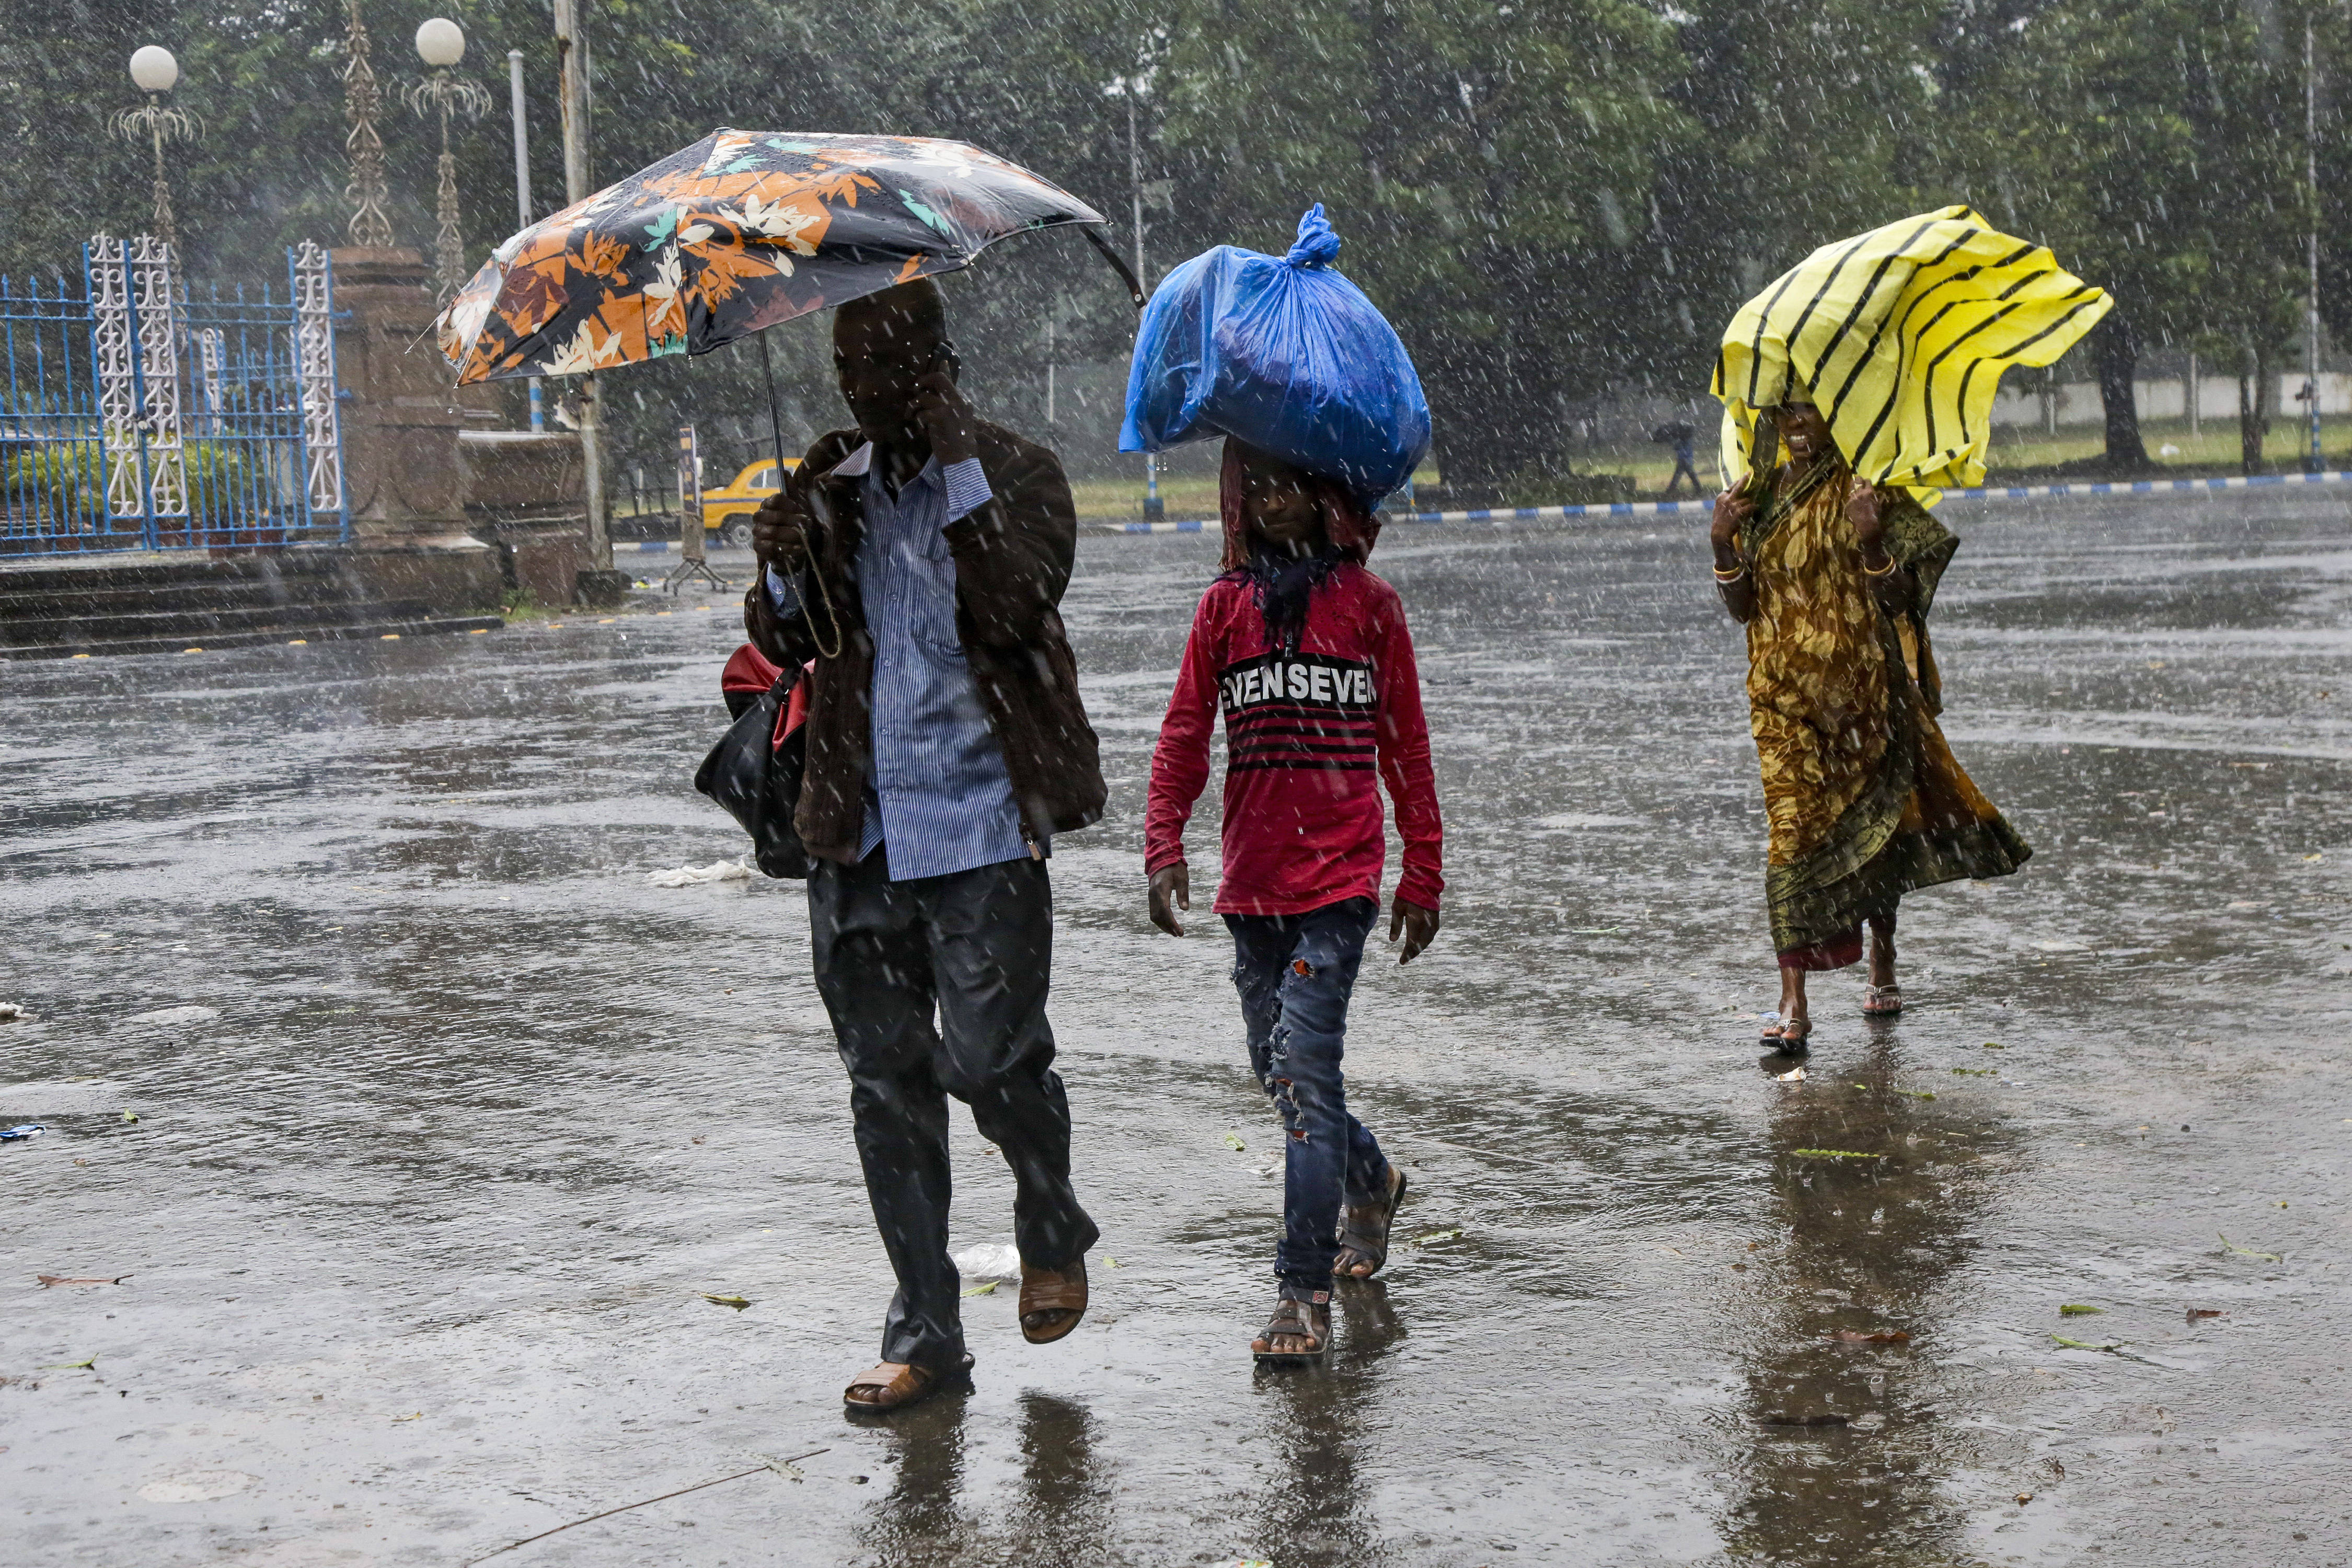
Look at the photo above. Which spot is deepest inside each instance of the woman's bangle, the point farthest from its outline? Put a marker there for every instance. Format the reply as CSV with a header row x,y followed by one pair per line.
x,y
1891,565
1733,575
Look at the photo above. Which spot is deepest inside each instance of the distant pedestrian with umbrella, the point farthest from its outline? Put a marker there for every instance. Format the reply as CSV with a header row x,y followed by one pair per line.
x,y
1682,436
910,571
1874,363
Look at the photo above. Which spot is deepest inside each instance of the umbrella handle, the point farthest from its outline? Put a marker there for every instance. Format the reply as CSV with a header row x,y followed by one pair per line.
x,y
1117,262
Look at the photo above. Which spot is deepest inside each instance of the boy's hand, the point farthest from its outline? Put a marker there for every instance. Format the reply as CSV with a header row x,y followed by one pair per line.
x,y
1418,925
1171,889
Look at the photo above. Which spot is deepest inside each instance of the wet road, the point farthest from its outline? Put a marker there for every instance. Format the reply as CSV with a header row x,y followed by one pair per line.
x,y
420,1211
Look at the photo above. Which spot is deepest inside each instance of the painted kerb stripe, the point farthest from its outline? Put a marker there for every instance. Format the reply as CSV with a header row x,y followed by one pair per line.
x,y
1651,508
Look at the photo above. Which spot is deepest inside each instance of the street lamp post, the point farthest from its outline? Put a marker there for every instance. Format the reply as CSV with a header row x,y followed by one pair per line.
x,y
441,44
573,93
1153,510
362,102
522,194
154,72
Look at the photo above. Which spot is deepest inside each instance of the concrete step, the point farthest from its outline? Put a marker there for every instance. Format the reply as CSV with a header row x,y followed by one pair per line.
x,y
228,593
97,572
196,624
349,632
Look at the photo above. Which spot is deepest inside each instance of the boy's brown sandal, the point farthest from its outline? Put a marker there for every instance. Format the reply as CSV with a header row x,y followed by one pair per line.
x,y
1052,1301
895,1384
1298,1315
1364,1232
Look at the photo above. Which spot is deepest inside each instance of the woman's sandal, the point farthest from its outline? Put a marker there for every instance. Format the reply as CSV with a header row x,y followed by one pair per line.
x,y
1882,1001
894,1386
1790,1036
1298,1313
1360,1242
1052,1301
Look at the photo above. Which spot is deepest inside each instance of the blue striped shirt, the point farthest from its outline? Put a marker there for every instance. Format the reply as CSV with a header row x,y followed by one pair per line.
x,y
938,798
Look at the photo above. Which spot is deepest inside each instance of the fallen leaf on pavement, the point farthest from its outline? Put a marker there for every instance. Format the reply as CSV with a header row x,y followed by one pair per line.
x,y
2077,1309
987,1290
1435,1236
735,1302
49,1279
1877,1337
1234,1142
1833,1154
2088,1345
90,1365
2247,1251
2025,1496
2197,1313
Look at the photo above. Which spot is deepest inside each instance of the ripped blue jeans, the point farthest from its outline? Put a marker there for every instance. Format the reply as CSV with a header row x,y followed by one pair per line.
x,y
1295,973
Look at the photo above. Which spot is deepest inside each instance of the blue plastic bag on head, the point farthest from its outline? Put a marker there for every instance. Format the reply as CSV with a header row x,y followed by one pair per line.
x,y
1285,353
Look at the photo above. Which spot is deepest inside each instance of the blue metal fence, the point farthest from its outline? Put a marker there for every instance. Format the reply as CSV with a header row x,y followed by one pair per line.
x,y
137,414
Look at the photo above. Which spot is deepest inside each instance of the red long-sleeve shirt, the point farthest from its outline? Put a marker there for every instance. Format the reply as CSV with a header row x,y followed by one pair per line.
x,y
1304,735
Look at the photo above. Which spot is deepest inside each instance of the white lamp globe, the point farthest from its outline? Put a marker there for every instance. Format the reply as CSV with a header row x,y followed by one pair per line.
x,y
153,69
440,41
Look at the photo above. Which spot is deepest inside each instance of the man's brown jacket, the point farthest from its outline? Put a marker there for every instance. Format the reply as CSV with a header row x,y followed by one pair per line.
x,y
1012,560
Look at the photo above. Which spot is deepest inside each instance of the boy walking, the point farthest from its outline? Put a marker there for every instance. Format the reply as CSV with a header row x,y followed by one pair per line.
x,y
1308,656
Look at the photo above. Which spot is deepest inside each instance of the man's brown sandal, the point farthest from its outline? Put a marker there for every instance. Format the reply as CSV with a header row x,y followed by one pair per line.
x,y
1298,1314
1052,1301
893,1385
1364,1231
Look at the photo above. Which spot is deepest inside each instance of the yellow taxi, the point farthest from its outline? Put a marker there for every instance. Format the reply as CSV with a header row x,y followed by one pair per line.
x,y
728,512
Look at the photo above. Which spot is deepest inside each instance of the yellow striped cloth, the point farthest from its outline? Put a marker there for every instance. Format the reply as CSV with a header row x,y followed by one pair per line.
x,y
1900,336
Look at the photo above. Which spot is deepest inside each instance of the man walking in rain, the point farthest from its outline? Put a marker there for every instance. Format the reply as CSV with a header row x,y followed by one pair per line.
x,y
914,565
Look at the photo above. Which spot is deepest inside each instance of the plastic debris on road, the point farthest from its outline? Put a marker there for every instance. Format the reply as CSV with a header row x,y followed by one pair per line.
x,y
22,1129
991,1260
191,1014
10,1012
693,875
1794,1075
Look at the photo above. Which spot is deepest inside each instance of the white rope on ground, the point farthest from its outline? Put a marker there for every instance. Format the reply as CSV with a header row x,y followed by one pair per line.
x,y
1706,503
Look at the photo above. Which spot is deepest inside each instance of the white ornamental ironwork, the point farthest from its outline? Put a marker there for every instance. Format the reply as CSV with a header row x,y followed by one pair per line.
x,y
118,387
154,298
209,342
314,361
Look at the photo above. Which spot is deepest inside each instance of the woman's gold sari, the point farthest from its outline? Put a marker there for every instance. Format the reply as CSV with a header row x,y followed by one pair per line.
x,y
1864,799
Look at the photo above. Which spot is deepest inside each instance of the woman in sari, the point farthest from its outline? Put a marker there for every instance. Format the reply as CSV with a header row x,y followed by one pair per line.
x,y
1832,580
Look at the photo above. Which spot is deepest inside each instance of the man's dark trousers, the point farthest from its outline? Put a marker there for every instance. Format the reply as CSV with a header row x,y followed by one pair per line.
x,y
978,945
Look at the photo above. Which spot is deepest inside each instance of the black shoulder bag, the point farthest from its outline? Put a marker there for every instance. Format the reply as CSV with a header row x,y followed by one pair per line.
x,y
759,782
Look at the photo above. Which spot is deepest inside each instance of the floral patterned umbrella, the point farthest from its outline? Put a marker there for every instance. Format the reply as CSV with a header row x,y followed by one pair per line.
x,y
739,231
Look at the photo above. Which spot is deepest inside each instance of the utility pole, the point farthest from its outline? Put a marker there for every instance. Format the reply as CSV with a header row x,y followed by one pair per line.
x,y
572,52
2311,459
1153,511
522,194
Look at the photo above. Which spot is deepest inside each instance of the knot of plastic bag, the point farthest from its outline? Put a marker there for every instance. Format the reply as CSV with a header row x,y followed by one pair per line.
x,y
1315,245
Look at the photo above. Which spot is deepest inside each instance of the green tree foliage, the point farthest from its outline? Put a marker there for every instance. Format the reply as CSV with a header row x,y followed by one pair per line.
x,y
1552,199
2157,146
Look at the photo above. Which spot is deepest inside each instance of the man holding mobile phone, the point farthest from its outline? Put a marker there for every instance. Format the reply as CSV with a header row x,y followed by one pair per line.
x,y
914,565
